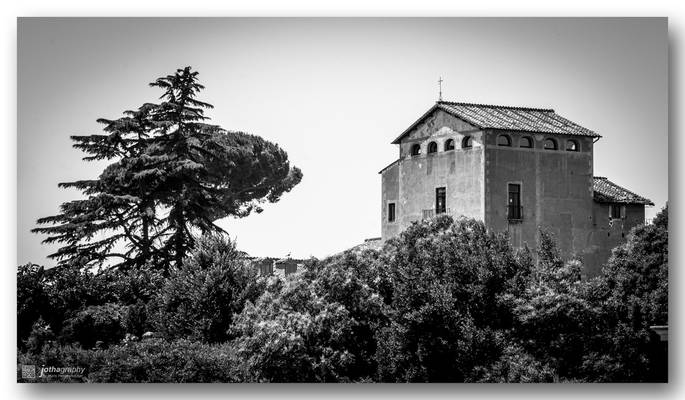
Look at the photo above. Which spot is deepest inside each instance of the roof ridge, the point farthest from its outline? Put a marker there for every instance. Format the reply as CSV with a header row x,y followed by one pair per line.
x,y
459,103
514,118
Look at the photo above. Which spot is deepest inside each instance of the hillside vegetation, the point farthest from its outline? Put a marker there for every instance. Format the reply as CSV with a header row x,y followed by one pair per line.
x,y
445,301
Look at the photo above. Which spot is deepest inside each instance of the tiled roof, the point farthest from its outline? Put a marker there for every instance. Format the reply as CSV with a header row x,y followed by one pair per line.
x,y
606,191
526,119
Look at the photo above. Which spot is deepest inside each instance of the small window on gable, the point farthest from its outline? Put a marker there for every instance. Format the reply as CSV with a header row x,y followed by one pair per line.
x,y
416,149
432,147
550,144
503,140
526,142
572,145
466,142
449,145
391,212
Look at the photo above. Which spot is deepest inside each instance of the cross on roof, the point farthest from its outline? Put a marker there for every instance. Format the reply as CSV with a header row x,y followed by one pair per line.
x,y
440,86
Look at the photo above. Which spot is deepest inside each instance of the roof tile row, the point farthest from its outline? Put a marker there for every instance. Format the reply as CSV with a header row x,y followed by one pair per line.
x,y
606,191
515,118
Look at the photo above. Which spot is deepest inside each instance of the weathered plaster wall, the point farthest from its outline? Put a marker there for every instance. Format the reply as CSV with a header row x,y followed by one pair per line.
x,y
556,190
459,171
413,179
439,127
556,194
390,193
605,236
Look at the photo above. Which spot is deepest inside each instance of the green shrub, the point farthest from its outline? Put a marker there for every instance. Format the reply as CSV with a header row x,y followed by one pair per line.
x,y
58,294
316,326
103,325
451,301
41,334
198,300
517,366
32,300
152,360
443,301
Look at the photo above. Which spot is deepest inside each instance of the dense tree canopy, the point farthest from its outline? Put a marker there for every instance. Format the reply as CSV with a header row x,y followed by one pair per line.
x,y
198,299
444,301
449,301
172,173
316,328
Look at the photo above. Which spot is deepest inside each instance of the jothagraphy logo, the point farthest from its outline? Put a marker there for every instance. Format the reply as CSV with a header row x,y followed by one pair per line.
x,y
29,372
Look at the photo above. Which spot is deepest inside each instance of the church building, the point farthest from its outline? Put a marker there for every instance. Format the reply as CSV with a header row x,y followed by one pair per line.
x,y
515,169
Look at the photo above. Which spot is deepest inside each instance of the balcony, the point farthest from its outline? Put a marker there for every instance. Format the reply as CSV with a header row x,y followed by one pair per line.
x,y
430,213
514,213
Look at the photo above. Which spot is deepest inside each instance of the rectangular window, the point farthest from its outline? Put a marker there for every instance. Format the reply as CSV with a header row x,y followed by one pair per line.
x,y
616,211
391,212
440,199
514,209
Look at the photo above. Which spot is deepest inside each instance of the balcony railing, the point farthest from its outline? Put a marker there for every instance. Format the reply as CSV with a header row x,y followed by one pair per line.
x,y
427,214
514,213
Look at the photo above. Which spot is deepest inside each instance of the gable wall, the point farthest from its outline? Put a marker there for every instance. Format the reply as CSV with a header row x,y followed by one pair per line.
x,y
439,126
412,181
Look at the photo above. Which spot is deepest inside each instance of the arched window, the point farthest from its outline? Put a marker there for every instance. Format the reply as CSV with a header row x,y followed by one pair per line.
x,y
466,142
416,149
503,140
550,144
449,145
572,145
526,142
432,147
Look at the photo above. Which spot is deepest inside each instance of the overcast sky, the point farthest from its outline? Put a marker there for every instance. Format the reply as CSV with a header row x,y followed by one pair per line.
x,y
334,93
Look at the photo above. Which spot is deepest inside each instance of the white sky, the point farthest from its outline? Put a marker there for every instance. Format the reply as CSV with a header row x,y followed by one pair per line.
x,y
334,93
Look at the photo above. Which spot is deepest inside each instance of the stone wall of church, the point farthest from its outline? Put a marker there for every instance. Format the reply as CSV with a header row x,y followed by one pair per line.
x,y
412,181
390,193
556,189
557,195
608,233
438,127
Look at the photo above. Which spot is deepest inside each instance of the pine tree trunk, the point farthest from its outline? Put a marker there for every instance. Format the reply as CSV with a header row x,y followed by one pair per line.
x,y
180,233
145,251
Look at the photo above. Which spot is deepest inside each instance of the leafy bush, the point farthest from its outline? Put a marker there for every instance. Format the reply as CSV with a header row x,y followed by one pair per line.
x,y
41,334
315,327
451,301
32,300
198,300
517,366
444,301
153,360
102,325
58,294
